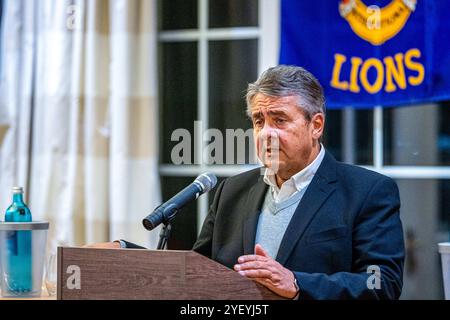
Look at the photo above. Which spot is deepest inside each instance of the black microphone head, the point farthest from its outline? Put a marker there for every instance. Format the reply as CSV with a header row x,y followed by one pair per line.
x,y
207,180
148,224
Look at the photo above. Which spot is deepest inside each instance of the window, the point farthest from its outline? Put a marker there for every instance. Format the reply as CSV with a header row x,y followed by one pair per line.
x,y
348,135
425,215
208,51
417,136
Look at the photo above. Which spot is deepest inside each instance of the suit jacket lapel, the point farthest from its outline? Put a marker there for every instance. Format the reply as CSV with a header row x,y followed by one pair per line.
x,y
255,201
320,188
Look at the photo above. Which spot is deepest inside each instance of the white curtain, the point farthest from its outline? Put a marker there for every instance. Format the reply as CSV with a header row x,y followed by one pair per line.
x,y
79,83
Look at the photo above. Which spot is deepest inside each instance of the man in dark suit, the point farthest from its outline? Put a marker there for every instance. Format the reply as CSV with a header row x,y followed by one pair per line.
x,y
340,238
304,225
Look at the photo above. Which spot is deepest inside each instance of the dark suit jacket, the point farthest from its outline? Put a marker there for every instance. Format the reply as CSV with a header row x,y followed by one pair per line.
x,y
347,220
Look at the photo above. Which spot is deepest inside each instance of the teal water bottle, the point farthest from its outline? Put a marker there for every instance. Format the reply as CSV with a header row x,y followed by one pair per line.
x,y
19,274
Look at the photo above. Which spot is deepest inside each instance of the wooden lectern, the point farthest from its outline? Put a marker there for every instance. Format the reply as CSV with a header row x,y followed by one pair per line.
x,y
88,273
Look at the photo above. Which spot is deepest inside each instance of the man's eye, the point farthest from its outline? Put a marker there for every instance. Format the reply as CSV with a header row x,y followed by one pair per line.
x,y
280,121
258,122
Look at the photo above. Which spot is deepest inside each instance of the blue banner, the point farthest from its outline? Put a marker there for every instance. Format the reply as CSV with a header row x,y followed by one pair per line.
x,y
367,53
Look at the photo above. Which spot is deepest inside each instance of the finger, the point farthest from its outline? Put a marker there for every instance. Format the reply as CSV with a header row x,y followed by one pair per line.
x,y
252,265
256,273
260,251
251,257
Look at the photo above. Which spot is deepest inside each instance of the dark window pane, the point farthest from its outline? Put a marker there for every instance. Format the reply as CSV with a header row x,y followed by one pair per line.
x,y
332,138
233,64
184,226
233,13
349,135
388,143
178,96
364,137
444,134
425,214
417,136
178,14
444,208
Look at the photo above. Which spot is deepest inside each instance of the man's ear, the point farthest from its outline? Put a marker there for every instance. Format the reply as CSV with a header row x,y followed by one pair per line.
x,y
318,125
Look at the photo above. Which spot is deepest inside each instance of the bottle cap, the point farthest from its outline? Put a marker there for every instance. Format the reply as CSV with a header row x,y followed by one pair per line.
x,y
17,190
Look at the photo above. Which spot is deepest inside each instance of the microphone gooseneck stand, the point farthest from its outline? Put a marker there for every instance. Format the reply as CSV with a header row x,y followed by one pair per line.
x,y
164,236
169,213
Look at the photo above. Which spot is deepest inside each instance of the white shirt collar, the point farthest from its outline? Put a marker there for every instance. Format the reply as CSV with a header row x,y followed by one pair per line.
x,y
297,182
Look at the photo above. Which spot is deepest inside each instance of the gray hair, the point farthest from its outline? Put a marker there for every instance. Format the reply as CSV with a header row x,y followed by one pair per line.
x,y
282,81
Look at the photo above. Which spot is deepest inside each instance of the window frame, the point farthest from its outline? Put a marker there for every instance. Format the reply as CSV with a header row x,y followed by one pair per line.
x,y
268,40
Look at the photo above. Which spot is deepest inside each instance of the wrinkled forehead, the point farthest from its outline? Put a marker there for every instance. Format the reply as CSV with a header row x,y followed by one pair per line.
x,y
268,104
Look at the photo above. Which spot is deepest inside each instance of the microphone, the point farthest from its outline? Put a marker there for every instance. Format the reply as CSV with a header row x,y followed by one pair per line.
x,y
168,210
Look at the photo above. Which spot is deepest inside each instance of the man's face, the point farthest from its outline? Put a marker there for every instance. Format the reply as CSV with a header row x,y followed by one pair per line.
x,y
286,141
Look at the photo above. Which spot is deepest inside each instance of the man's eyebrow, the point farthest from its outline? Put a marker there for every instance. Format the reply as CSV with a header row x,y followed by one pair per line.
x,y
276,112
271,112
257,114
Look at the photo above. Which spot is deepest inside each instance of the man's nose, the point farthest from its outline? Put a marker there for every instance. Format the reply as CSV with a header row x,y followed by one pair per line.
x,y
268,134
